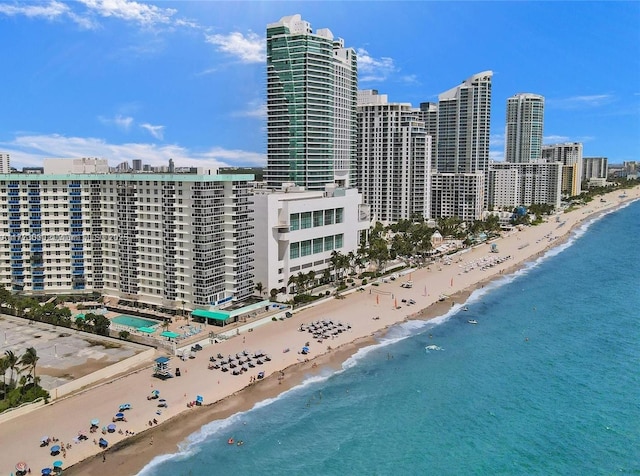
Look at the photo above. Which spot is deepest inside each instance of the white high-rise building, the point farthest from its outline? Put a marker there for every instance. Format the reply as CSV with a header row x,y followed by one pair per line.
x,y
513,184
394,159
297,231
5,163
462,149
464,119
570,155
458,195
594,168
171,242
312,83
523,128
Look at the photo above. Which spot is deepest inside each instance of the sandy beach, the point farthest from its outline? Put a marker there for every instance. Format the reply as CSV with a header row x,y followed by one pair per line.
x,y
367,313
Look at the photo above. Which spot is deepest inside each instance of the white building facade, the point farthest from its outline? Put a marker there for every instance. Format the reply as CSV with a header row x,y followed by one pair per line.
x,y
513,184
458,195
296,232
85,165
5,163
169,241
570,155
394,159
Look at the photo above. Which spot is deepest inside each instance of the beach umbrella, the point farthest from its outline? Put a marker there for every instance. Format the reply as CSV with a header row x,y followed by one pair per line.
x,y
155,392
21,467
95,422
55,449
44,439
111,428
46,471
57,464
120,416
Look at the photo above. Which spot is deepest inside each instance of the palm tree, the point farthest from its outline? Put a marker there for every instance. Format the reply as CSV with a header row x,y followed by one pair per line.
x,y
259,288
4,366
12,363
29,360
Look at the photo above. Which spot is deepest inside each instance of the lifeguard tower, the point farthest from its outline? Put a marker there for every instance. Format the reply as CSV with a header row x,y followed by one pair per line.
x,y
161,368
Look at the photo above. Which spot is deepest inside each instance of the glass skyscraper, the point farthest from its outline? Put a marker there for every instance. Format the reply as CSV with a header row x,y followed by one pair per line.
x,y
524,127
312,87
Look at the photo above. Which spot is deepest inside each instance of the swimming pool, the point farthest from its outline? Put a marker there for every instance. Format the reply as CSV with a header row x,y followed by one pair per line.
x,y
135,322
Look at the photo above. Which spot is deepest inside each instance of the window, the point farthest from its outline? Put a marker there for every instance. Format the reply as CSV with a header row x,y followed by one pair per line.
x,y
305,247
339,213
328,217
306,220
294,250
328,243
317,218
317,245
339,240
294,221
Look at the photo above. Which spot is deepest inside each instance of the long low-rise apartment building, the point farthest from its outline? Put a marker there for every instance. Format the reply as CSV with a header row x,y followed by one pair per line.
x,y
170,241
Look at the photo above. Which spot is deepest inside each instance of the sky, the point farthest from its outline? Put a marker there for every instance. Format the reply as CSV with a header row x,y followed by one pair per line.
x,y
124,80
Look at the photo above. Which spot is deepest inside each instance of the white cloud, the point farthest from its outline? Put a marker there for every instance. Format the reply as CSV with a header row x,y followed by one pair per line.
x,y
248,49
49,11
371,69
496,140
121,122
580,102
496,155
52,10
254,110
30,150
555,139
155,131
141,13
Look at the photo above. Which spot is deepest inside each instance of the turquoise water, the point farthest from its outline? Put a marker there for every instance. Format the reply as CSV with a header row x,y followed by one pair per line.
x,y
135,322
547,383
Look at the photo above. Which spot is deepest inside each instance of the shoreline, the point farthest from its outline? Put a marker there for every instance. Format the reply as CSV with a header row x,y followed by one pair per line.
x,y
232,394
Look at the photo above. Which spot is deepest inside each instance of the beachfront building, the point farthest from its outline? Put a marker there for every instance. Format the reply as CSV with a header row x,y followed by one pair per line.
x,y
84,165
5,163
523,128
458,195
462,147
394,159
464,116
510,185
570,155
297,230
170,242
312,83
594,168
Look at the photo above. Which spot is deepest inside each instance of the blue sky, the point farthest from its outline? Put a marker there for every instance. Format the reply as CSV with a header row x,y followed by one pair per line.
x,y
126,80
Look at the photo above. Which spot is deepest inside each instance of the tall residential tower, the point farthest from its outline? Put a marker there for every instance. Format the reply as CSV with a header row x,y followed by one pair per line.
x,y
464,117
312,85
523,130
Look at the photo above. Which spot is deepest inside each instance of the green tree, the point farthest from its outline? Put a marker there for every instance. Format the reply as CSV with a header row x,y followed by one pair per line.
x,y
29,360
4,366
12,363
274,293
259,288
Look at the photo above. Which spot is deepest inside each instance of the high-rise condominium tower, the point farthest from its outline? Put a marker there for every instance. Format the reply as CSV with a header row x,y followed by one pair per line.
x,y
312,87
523,130
464,116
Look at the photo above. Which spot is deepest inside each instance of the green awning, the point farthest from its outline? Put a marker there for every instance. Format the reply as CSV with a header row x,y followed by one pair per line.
x,y
80,316
220,316
170,334
147,330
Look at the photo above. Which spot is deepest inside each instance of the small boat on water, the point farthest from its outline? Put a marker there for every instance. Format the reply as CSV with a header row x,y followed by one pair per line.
x,y
472,321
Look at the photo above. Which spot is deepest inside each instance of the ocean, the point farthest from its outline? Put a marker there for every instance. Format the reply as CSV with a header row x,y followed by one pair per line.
x,y
547,382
